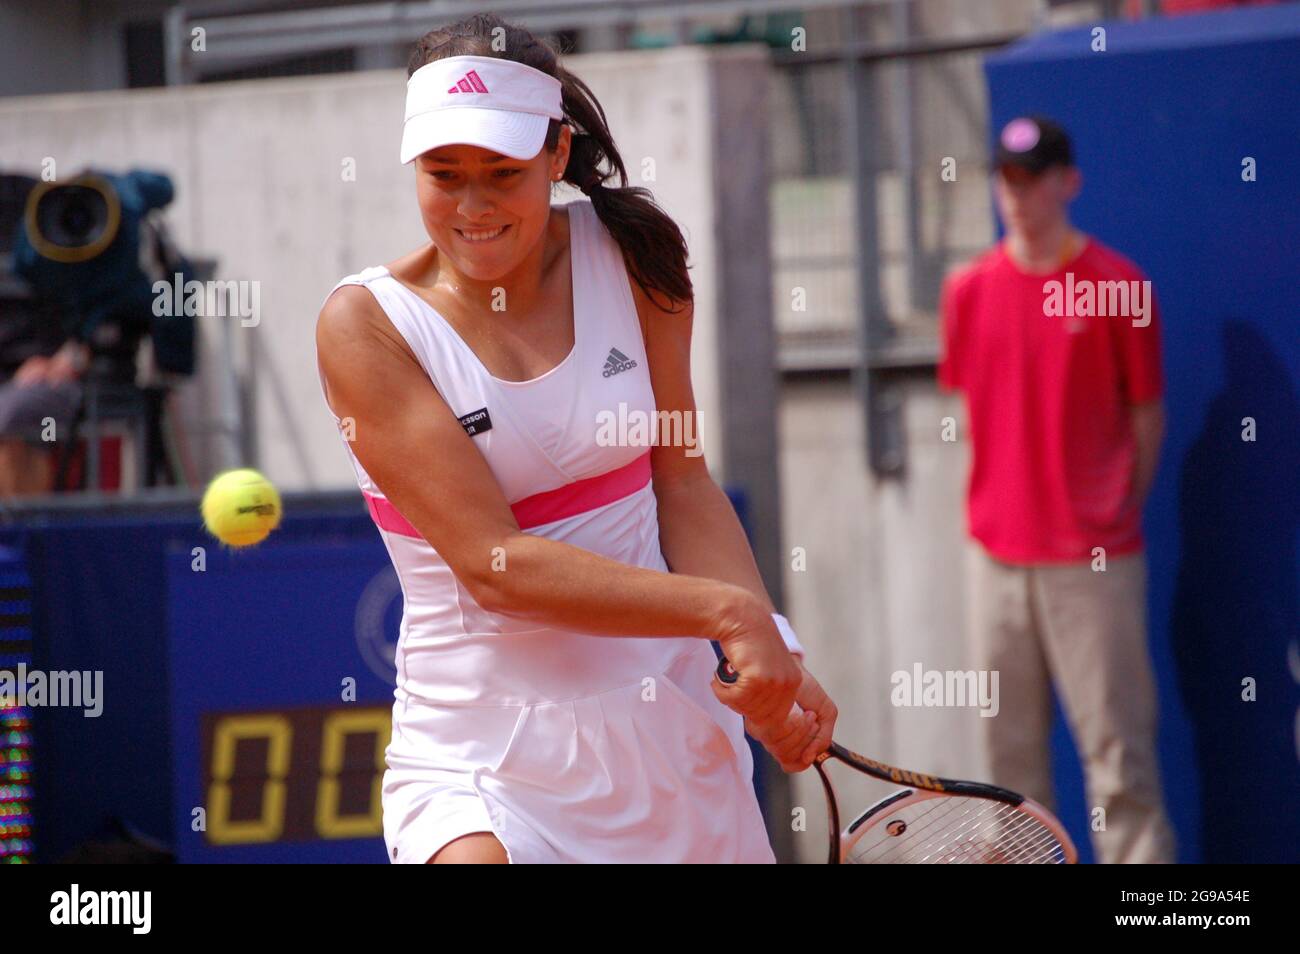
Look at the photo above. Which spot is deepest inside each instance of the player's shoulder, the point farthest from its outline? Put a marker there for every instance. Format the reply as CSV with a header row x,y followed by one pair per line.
x,y
349,307
1110,263
351,316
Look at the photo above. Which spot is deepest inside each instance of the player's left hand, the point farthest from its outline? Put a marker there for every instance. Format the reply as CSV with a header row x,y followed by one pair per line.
x,y
806,731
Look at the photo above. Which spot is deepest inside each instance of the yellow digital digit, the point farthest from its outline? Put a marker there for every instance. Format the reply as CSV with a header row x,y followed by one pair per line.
x,y
334,734
229,732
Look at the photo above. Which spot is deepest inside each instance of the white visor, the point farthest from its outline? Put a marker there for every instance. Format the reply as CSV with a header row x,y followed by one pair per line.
x,y
479,101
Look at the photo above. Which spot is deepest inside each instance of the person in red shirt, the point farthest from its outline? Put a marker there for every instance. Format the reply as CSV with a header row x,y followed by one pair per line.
x,y
1053,339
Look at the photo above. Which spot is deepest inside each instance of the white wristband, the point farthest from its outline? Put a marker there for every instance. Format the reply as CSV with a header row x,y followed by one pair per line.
x,y
787,634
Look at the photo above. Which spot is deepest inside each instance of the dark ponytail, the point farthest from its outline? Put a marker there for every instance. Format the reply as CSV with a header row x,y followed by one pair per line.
x,y
652,244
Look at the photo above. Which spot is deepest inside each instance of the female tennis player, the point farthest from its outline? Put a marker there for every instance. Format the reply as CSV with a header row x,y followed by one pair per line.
x,y
555,699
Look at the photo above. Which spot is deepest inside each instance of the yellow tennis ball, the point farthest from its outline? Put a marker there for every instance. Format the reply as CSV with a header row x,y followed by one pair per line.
x,y
241,507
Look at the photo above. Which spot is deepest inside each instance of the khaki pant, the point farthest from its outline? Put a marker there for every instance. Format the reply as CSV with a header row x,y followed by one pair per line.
x,y
1085,631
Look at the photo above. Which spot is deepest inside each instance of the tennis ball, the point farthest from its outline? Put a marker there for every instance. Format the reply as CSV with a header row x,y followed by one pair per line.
x,y
240,507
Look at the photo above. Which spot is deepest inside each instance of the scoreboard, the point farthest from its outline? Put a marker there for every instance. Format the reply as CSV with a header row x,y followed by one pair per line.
x,y
302,774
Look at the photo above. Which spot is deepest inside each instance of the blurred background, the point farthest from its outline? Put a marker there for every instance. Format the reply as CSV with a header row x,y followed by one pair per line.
x,y
251,145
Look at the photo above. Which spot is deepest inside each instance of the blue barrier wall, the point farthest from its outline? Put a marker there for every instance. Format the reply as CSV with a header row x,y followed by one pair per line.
x,y
100,602
1162,121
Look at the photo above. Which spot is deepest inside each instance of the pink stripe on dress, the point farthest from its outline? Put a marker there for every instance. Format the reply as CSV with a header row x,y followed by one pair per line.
x,y
570,500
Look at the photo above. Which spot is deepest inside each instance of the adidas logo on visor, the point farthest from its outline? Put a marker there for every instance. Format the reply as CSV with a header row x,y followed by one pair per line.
x,y
469,83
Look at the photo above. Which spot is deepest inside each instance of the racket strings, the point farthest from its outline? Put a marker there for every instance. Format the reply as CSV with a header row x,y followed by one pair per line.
x,y
979,836
958,830
915,834
1004,835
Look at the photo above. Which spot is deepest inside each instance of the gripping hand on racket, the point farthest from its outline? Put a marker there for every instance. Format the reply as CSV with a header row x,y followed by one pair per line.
x,y
784,706
796,740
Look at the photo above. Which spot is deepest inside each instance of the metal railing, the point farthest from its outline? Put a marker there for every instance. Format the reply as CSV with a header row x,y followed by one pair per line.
x,y
240,39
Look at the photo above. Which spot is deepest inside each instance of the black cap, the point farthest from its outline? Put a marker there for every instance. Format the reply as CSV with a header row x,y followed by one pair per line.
x,y
1034,143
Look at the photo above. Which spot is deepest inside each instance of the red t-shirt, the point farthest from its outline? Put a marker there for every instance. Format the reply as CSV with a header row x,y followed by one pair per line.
x,y
1049,392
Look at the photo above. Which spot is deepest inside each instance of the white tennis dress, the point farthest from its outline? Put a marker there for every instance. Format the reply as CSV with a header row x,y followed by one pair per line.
x,y
569,747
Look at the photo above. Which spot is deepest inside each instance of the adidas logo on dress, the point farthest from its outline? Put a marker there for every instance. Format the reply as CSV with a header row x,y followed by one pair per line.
x,y
617,363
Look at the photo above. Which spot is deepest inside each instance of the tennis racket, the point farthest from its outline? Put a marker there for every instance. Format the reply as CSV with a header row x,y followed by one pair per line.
x,y
936,820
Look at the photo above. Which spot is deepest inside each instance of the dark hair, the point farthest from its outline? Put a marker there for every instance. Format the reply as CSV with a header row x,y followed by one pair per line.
x,y
652,244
